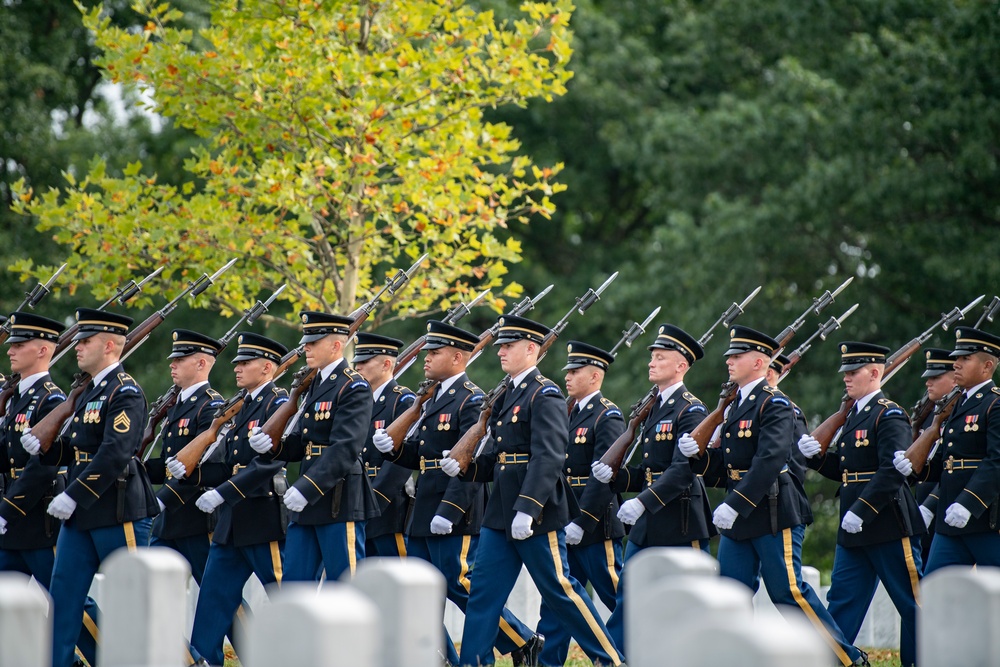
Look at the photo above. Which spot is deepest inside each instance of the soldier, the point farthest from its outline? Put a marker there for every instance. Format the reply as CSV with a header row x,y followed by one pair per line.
x,y
878,512
797,461
447,514
332,498
762,519
374,359
529,507
672,508
593,539
250,533
108,502
966,460
27,533
180,525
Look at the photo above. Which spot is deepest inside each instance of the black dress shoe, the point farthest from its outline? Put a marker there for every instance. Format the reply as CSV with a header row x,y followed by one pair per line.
x,y
527,655
862,661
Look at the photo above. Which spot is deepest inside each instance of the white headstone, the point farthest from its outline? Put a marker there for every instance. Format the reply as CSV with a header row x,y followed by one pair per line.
x,y
25,629
144,613
336,626
410,595
760,642
958,619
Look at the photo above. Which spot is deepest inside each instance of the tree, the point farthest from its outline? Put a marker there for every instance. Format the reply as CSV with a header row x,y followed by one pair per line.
x,y
340,139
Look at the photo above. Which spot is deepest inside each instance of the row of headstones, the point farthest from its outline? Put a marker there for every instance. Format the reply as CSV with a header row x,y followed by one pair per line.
x,y
390,613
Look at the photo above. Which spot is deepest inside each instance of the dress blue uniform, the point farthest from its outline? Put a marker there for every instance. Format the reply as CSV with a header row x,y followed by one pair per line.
x,y
594,426
875,491
334,420
525,464
765,540
966,467
385,534
250,534
797,460
182,526
114,499
444,420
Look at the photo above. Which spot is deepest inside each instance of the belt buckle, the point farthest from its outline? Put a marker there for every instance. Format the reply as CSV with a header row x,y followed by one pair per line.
x,y
503,457
423,465
734,475
949,463
843,476
236,468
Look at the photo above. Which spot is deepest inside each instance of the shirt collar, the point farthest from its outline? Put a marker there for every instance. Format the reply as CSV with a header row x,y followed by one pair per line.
x,y
864,400
749,388
104,373
586,400
189,392
446,384
256,392
515,381
969,393
26,383
669,391
377,392
327,370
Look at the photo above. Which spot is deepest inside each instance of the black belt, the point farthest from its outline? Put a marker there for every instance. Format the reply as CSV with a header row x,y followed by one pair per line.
x,y
429,464
510,457
83,457
312,449
951,464
652,476
371,470
848,477
577,482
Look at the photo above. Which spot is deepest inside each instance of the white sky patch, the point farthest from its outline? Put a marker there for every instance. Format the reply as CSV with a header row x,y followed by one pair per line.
x,y
121,109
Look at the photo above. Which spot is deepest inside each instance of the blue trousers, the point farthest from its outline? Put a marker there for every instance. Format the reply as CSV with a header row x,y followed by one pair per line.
x,y
598,564
79,554
777,559
386,546
498,563
454,556
335,547
974,549
856,573
38,563
194,549
616,624
226,573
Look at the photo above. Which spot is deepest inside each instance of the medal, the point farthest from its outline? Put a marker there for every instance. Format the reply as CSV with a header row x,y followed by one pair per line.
x,y
517,408
581,436
971,423
444,422
745,431
861,438
664,430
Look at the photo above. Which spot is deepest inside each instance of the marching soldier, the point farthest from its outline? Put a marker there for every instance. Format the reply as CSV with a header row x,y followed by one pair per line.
x,y
374,358
332,498
180,525
797,461
27,533
672,507
247,490
108,502
966,461
878,512
529,507
593,539
762,519
447,514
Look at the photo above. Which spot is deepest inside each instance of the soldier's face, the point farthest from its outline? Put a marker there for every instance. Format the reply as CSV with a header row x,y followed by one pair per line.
x,y
90,354
323,352
184,370
439,364
580,382
861,381
26,356
373,370
971,369
940,385
251,374
745,367
514,356
666,367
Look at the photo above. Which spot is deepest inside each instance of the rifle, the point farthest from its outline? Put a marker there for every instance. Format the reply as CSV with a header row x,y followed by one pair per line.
x,y
818,305
825,432
158,410
278,423
31,299
989,312
49,427
402,424
822,332
918,452
472,441
409,355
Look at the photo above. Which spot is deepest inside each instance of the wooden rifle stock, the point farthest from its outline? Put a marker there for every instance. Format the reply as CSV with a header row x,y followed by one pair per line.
x,y
465,449
702,433
824,432
919,413
616,456
918,452
7,390
48,427
157,413
278,421
192,453
402,424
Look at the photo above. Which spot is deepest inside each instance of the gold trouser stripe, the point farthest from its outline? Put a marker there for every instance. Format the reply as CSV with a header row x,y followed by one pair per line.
x,y
506,628
91,626
463,561
696,545
276,562
129,535
911,568
352,543
609,553
592,623
190,657
401,545
793,585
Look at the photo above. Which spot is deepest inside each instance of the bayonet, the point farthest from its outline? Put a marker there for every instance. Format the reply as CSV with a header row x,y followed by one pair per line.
x,y
728,317
629,335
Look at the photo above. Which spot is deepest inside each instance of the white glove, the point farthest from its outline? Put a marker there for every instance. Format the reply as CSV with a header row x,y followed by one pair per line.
x,y
382,441
809,446
3,525
852,522
927,515
163,508
176,468
687,445
631,510
903,464
410,487
520,527
449,465
724,517
62,506
573,534
259,441
602,472
441,525
294,500
31,444
209,501
956,515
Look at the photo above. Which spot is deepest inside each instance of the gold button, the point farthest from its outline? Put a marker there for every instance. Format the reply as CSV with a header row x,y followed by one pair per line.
x,y
305,430
500,439
727,450
76,419
951,430
646,455
73,435
236,451
306,415
503,467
